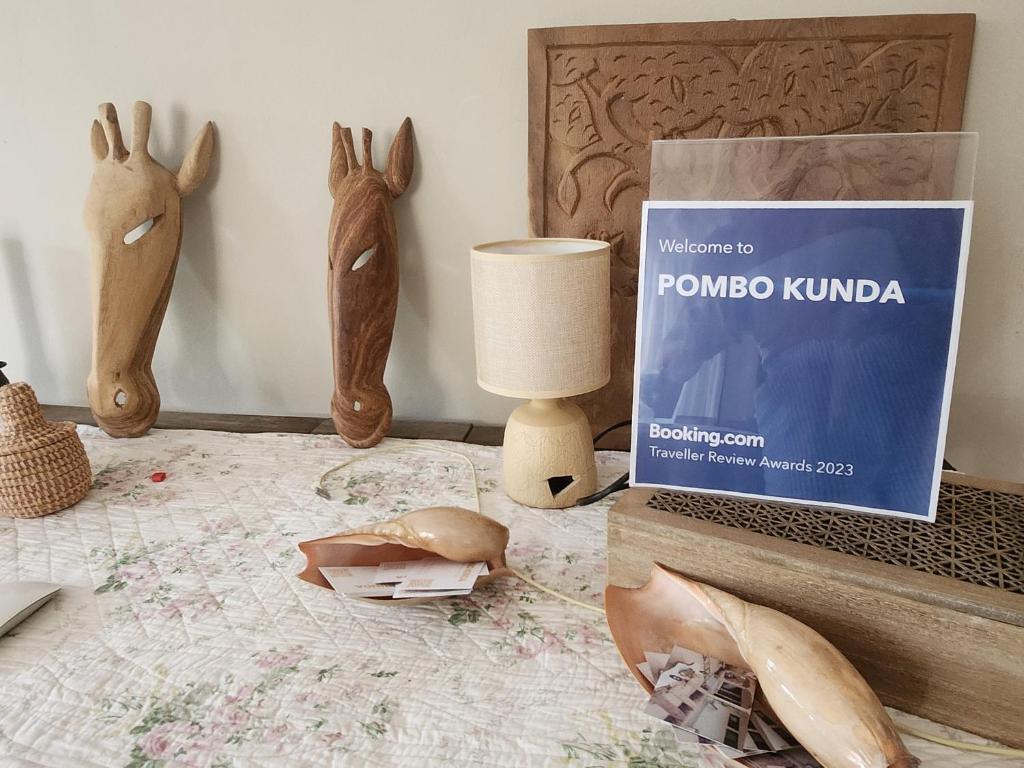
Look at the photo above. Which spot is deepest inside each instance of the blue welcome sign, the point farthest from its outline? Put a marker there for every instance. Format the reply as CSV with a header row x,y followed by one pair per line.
x,y
799,351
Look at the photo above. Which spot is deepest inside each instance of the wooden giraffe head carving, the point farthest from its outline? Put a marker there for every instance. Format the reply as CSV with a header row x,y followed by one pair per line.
x,y
362,280
133,215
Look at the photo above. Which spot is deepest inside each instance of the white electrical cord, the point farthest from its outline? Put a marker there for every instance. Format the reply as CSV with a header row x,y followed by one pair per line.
x,y
963,745
321,490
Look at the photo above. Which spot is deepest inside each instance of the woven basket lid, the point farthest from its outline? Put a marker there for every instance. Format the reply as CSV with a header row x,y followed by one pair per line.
x,y
22,426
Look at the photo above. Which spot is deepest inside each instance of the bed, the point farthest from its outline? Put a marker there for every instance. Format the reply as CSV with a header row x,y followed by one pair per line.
x,y
183,637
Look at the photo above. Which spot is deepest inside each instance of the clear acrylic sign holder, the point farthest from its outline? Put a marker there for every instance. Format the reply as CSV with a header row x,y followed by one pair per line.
x,y
875,168
887,166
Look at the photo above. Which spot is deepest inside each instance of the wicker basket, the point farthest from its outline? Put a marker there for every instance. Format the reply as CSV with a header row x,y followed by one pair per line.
x,y
43,465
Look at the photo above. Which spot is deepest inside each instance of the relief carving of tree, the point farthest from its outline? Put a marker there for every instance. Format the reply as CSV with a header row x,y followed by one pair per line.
x,y
610,103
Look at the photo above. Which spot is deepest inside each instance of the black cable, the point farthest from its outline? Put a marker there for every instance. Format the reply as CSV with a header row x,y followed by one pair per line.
x,y
612,428
619,485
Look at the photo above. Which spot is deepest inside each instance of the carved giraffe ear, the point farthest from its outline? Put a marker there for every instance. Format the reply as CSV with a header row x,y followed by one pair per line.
x,y
99,141
339,161
399,170
197,162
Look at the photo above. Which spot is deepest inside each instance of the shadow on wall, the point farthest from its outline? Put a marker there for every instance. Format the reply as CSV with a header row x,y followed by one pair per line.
x,y
37,368
413,344
976,423
194,299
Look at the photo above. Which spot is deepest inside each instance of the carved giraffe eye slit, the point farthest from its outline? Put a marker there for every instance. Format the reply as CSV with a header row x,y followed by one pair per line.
x,y
360,262
140,231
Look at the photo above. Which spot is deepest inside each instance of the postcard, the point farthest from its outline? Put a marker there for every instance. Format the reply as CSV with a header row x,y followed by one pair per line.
x,y
356,581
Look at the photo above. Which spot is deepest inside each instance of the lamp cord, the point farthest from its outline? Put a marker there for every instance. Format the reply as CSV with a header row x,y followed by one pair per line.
x,y
620,484
612,428
321,490
966,746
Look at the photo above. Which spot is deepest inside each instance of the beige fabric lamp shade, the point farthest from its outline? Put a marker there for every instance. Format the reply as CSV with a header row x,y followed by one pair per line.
x,y
541,311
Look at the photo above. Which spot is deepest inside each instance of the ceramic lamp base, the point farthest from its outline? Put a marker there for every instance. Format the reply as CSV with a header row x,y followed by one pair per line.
x,y
549,455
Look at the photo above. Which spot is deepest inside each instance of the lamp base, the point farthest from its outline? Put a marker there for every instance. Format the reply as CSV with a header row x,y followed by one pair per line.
x,y
549,454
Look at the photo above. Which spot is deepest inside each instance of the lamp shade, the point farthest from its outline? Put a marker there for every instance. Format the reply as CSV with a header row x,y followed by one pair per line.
x,y
541,313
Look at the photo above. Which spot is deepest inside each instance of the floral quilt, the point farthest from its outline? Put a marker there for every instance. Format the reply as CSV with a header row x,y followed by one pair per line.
x,y
181,635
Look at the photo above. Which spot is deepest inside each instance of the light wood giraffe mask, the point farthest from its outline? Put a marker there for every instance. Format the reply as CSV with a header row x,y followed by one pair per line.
x,y
133,215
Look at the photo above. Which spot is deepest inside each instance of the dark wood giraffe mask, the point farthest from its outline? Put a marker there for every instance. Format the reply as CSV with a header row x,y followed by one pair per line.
x,y
362,280
133,215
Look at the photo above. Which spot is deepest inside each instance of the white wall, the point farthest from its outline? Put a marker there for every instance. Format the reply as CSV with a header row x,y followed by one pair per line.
x,y
246,330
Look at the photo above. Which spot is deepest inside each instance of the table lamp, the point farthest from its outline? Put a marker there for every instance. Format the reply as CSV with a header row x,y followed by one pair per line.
x,y
541,313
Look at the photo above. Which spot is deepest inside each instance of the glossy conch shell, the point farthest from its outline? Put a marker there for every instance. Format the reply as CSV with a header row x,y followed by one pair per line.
x,y
816,693
453,533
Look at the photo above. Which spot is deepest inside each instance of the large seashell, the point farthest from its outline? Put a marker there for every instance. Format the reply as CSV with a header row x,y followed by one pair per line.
x,y
453,533
813,689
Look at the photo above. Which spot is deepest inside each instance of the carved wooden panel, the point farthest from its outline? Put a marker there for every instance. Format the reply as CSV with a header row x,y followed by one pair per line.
x,y
599,95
